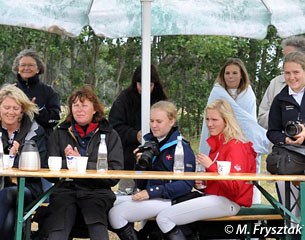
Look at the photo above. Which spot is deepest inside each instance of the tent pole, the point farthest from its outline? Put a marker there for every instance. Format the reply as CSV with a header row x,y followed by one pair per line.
x,y
146,62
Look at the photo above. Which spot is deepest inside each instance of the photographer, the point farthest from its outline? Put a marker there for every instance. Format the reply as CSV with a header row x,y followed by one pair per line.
x,y
287,112
155,195
287,115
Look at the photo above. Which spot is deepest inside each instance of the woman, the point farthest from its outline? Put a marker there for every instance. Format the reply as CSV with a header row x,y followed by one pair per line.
x,y
233,85
28,66
79,135
288,105
221,198
17,125
155,195
125,117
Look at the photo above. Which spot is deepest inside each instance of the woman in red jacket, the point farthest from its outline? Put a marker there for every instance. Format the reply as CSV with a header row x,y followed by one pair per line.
x,y
220,198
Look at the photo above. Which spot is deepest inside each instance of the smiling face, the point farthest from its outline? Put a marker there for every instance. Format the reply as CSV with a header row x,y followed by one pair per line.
x,y
294,76
83,111
232,76
27,67
160,124
10,113
215,122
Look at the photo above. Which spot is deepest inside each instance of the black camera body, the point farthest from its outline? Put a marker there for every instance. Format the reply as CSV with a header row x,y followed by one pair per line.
x,y
149,149
293,128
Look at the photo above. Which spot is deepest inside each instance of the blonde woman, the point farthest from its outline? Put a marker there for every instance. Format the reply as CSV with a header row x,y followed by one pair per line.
x,y
155,195
220,198
17,125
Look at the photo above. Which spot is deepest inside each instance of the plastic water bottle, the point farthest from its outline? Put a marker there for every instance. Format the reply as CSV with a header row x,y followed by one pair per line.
x,y
102,163
200,168
1,153
179,157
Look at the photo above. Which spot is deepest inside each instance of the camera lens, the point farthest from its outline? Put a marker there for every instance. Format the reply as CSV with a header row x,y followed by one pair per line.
x,y
144,160
293,129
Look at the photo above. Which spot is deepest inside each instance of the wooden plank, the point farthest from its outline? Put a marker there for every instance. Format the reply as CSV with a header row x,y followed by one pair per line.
x,y
125,174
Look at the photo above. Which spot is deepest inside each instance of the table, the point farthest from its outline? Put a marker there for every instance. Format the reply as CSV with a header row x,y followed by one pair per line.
x,y
124,174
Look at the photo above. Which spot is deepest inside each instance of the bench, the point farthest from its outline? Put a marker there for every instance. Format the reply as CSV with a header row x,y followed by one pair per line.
x,y
263,214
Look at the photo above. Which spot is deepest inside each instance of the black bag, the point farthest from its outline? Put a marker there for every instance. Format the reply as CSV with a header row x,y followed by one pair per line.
x,y
286,159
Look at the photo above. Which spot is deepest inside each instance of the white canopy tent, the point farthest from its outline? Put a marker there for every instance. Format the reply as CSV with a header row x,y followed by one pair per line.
x,y
146,18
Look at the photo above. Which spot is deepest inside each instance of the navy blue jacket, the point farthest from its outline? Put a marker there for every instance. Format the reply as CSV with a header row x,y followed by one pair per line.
x,y
284,108
170,189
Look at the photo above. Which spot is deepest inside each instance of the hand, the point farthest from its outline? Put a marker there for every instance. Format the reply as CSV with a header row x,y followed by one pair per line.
x,y
70,151
139,136
204,160
140,196
14,148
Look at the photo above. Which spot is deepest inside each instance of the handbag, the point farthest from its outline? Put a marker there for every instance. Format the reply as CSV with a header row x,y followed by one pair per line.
x,y
286,159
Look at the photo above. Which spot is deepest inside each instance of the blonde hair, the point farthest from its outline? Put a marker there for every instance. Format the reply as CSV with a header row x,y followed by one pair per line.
x,y
232,129
168,107
295,57
9,90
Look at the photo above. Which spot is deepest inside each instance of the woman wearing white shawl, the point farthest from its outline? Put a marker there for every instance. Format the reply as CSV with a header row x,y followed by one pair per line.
x,y
233,85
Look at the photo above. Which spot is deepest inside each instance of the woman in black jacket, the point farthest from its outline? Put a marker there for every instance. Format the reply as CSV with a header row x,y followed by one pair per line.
x,y
79,135
125,116
17,125
28,66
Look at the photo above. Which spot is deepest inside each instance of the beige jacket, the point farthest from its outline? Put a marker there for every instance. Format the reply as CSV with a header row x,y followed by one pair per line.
x,y
275,86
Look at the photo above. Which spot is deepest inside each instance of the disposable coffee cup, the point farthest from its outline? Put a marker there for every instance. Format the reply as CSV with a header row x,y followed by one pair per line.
x,y
55,163
8,161
82,164
71,163
224,167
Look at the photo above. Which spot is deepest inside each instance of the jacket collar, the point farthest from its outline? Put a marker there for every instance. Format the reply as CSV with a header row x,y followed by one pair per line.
x,y
30,82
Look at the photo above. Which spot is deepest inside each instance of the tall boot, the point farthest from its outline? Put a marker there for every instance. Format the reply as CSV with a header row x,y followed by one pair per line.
x,y
127,232
175,234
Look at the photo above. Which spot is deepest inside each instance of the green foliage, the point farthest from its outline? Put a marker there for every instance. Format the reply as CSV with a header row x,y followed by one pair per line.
x,y
188,65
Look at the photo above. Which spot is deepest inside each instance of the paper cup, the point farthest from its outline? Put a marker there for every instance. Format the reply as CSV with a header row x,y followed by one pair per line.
x,y
71,163
224,167
8,161
55,163
82,164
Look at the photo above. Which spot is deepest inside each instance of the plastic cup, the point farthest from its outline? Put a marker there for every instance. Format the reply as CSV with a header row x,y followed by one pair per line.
x,y
224,167
8,161
82,164
71,163
55,163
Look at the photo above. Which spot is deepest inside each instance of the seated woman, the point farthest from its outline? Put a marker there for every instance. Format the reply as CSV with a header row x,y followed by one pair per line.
x,y
155,195
220,198
79,135
17,125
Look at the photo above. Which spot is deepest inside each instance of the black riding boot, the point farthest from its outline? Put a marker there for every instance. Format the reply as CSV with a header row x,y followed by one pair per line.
x,y
175,234
127,232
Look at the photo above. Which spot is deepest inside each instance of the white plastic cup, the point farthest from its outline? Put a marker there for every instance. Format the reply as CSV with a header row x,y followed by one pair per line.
x,y
71,163
55,163
8,161
82,164
224,167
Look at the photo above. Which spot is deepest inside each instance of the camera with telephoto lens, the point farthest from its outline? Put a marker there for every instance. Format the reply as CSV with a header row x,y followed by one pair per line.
x,y
293,128
149,149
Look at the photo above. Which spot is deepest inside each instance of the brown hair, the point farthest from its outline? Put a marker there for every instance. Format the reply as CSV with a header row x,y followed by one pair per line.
x,y
244,82
86,92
